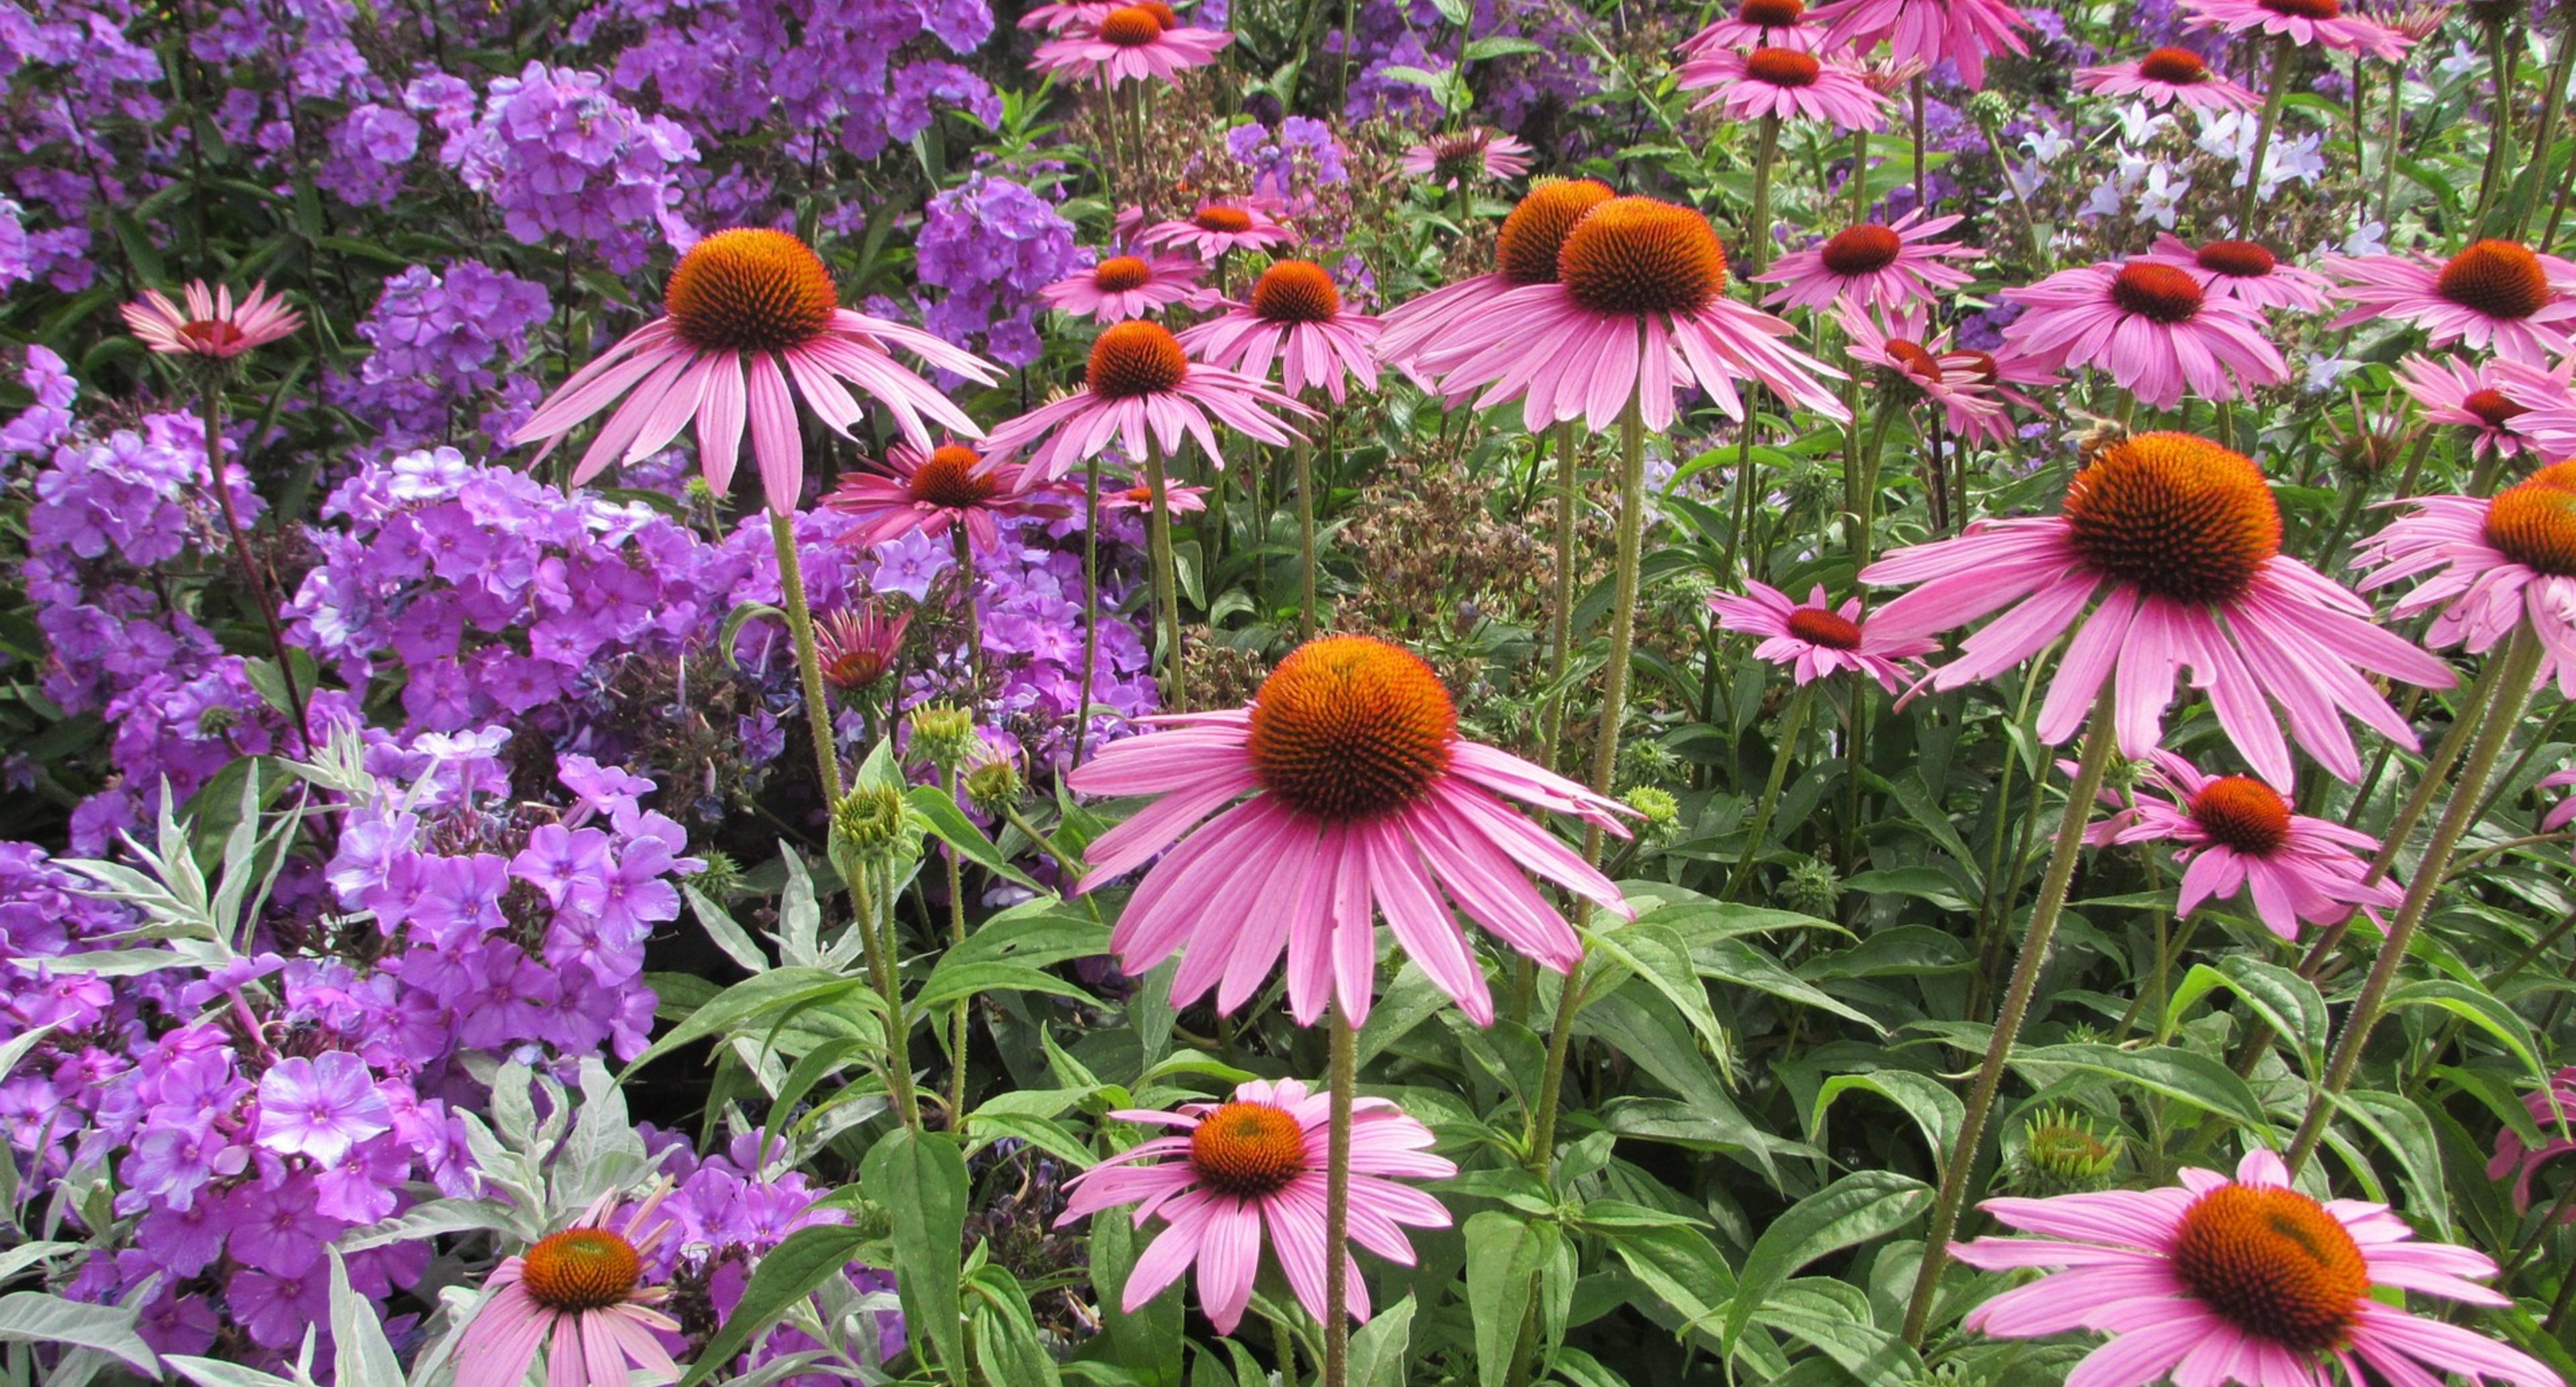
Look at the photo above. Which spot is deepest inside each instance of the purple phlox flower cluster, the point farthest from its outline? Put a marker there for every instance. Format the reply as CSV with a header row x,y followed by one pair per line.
x,y
989,245
560,156
1523,93
47,423
444,344
371,154
1290,165
72,75
17,257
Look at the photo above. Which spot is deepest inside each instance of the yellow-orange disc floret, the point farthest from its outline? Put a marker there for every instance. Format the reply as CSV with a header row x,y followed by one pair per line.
x,y
1783,67
581,1269
2501,279
2534,520
1347,728
1526,248
1861,249
2175,515
1248,1150
2274,1263
1131,26
952,476
1214,217
1120,273
1296,291
750,289
2240,812
1771,14
1638,255
2177,66
2237,259
1135,358
2158,293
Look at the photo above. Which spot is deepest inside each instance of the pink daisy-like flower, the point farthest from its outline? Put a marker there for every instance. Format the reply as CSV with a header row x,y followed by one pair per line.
x,y
2244,1281
1295,321
1789,83
1363,800
1060,15
857,647
2553,1111
212,325
2240,836
2151,326
2495,400
1962,383
1926,31
1141,386
2564,809
2246,271
1250,1171
574,1294
1757,24
2494,563
2495,294
1817,639
1525,253
1131,43
1129,286
2305,21
2166,77
746,311
1638,310
1872,266
2180,539
1138,498
1218,227
950,485
1462,156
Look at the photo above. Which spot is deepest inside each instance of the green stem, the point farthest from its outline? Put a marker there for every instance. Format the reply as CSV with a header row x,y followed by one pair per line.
x,y
1090,600
2285,61
1560,621
2500,127
880,959
1793,723
974,624
1337,1200
800,624
1757,233
1167,597
1302,454
960,1016
2396,132
1922,184
2519,662
1859,181
256,588
2044,914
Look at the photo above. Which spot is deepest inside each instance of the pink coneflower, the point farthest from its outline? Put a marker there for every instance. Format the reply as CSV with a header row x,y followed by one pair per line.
x,y
213,325
1639,309
1817,639
2151,326
2304,21
1757,24
2165,77
2239,835
1061,15
949,485
2246,271
1463,156
575,1294
858,646
1218,227
1251,1171
1139,498
2493,399
1962,383
1131,44
1129,286
746,310
2221,1281
2495,294
1294,320
2493,564
1927,31
1360,790
1525,253
2553,1110
2181,541
1141,386
1789,83
1872,266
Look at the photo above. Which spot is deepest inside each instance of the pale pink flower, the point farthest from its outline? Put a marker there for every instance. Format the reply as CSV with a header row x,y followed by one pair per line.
x,y
2305,21
2165,77
1872,266
212,325
1638,311
1218,227
2151,326
2240,836
1962,383
2245,1281
2246,271
2553,1111
1129,286
1926,31
1138,498
1461,156
1816,639
2508,407
2495,294
930,491
858,646
2166,556
746,311
1132,43
1757,24
1358,798
575,1294
2493,564
1787,83
1142,390
1295,321
1236,1175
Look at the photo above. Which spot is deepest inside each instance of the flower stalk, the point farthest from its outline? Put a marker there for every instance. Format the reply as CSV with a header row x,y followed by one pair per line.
x,y
1344,1074
1793,724
809,660
1167,598
255,584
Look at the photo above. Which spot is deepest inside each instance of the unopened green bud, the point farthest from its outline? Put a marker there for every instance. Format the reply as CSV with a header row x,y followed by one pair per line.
x,y
1990,108
2066,1152
943,735
993,786
1811,888
871,1221
720,879
872,825
1656,803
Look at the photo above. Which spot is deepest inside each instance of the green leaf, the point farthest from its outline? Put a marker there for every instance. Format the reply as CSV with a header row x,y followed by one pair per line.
x,y
921,1178
1863,1205
951,826
790,1272
1148,1342
2288,1003
1378,1347
1658,955
776,989
2479,1009
357,1336
1007,1347
1505,1254
1934,1108
2183,1075
2400,1128
1499,46
950,982
35,1317
1683,1269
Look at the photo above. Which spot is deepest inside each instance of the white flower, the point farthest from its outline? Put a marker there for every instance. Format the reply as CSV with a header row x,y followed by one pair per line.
x,y
2048,144
2370,238
2227,135
2106,200
2462,61
2326,372
2138,124
2162,195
